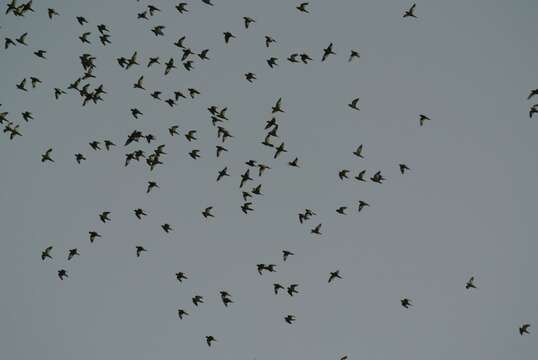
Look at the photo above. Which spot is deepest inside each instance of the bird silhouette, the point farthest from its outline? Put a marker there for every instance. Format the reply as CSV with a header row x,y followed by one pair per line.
x,y
334,275
410,12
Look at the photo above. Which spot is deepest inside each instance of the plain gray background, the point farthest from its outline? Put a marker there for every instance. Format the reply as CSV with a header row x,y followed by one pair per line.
x,y
468,206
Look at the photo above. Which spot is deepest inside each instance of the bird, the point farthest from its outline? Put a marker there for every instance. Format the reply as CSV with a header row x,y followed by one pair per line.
x,y
294,163
197,299
246,208
422,119
334,275
406,303
257,190
342,174
182,7
341,210
524,329
262,168
360,175
194,154
227,36
316,230
327,51
72,253
358,152
533,110
207,212
470,283
277,287
410,12
93,236
139,213
286,254
209,339
289,318
532,93
248,21
40,54
272,62
151,185
222,173
277,107
292,289
46,156
166,228
279,150
377,178
181,313
139,84
269,40
79,157
46,253
52,13
190,135
302,7
81,20
62,273
362,204
140,250
21,85
245,177
104,216
181,276
208,2
403,168
353,104
354,54
158,30
250,77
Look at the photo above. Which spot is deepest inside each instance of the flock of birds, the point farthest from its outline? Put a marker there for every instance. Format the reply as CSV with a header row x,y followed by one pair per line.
x,y
90,94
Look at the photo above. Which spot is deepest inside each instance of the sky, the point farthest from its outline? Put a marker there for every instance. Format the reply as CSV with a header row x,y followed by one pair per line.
x,y
466,207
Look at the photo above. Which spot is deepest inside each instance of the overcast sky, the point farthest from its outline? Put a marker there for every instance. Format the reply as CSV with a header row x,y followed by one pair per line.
x,y
466,208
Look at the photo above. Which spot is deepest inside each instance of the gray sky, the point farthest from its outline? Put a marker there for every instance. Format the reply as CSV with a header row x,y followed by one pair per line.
x,y
466,208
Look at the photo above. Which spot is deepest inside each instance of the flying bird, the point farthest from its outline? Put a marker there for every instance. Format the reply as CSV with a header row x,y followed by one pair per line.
x,y
524,329
410,12
334,275
46,253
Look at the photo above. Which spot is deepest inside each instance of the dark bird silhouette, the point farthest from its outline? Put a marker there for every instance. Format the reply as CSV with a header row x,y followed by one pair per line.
x,y
533,110
302,7
151,185
181,313
182,8
166,228
40,54
222,173
262,168
52,12
406,303
257,190
81,20
95,145
247,20
46,156
377,178
422,119
334,275
139,213
532,93
360,176
286,254
246,208
410,12
292,289
207,212
22,39
403,168
62,273
289,319
190,135
342,174
79,157
279,149
362,205
354,103
272,62
220,149
21,85
93,235
72,253
181,276
277,107
277,287
153,9
269,40
470,283
46,253
342,210
354,54
328,51
316,230
195,154
140,250
227,36
208,2
250,77
524,329
294,163
104,216
244,178
197,299
158,30
209,339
